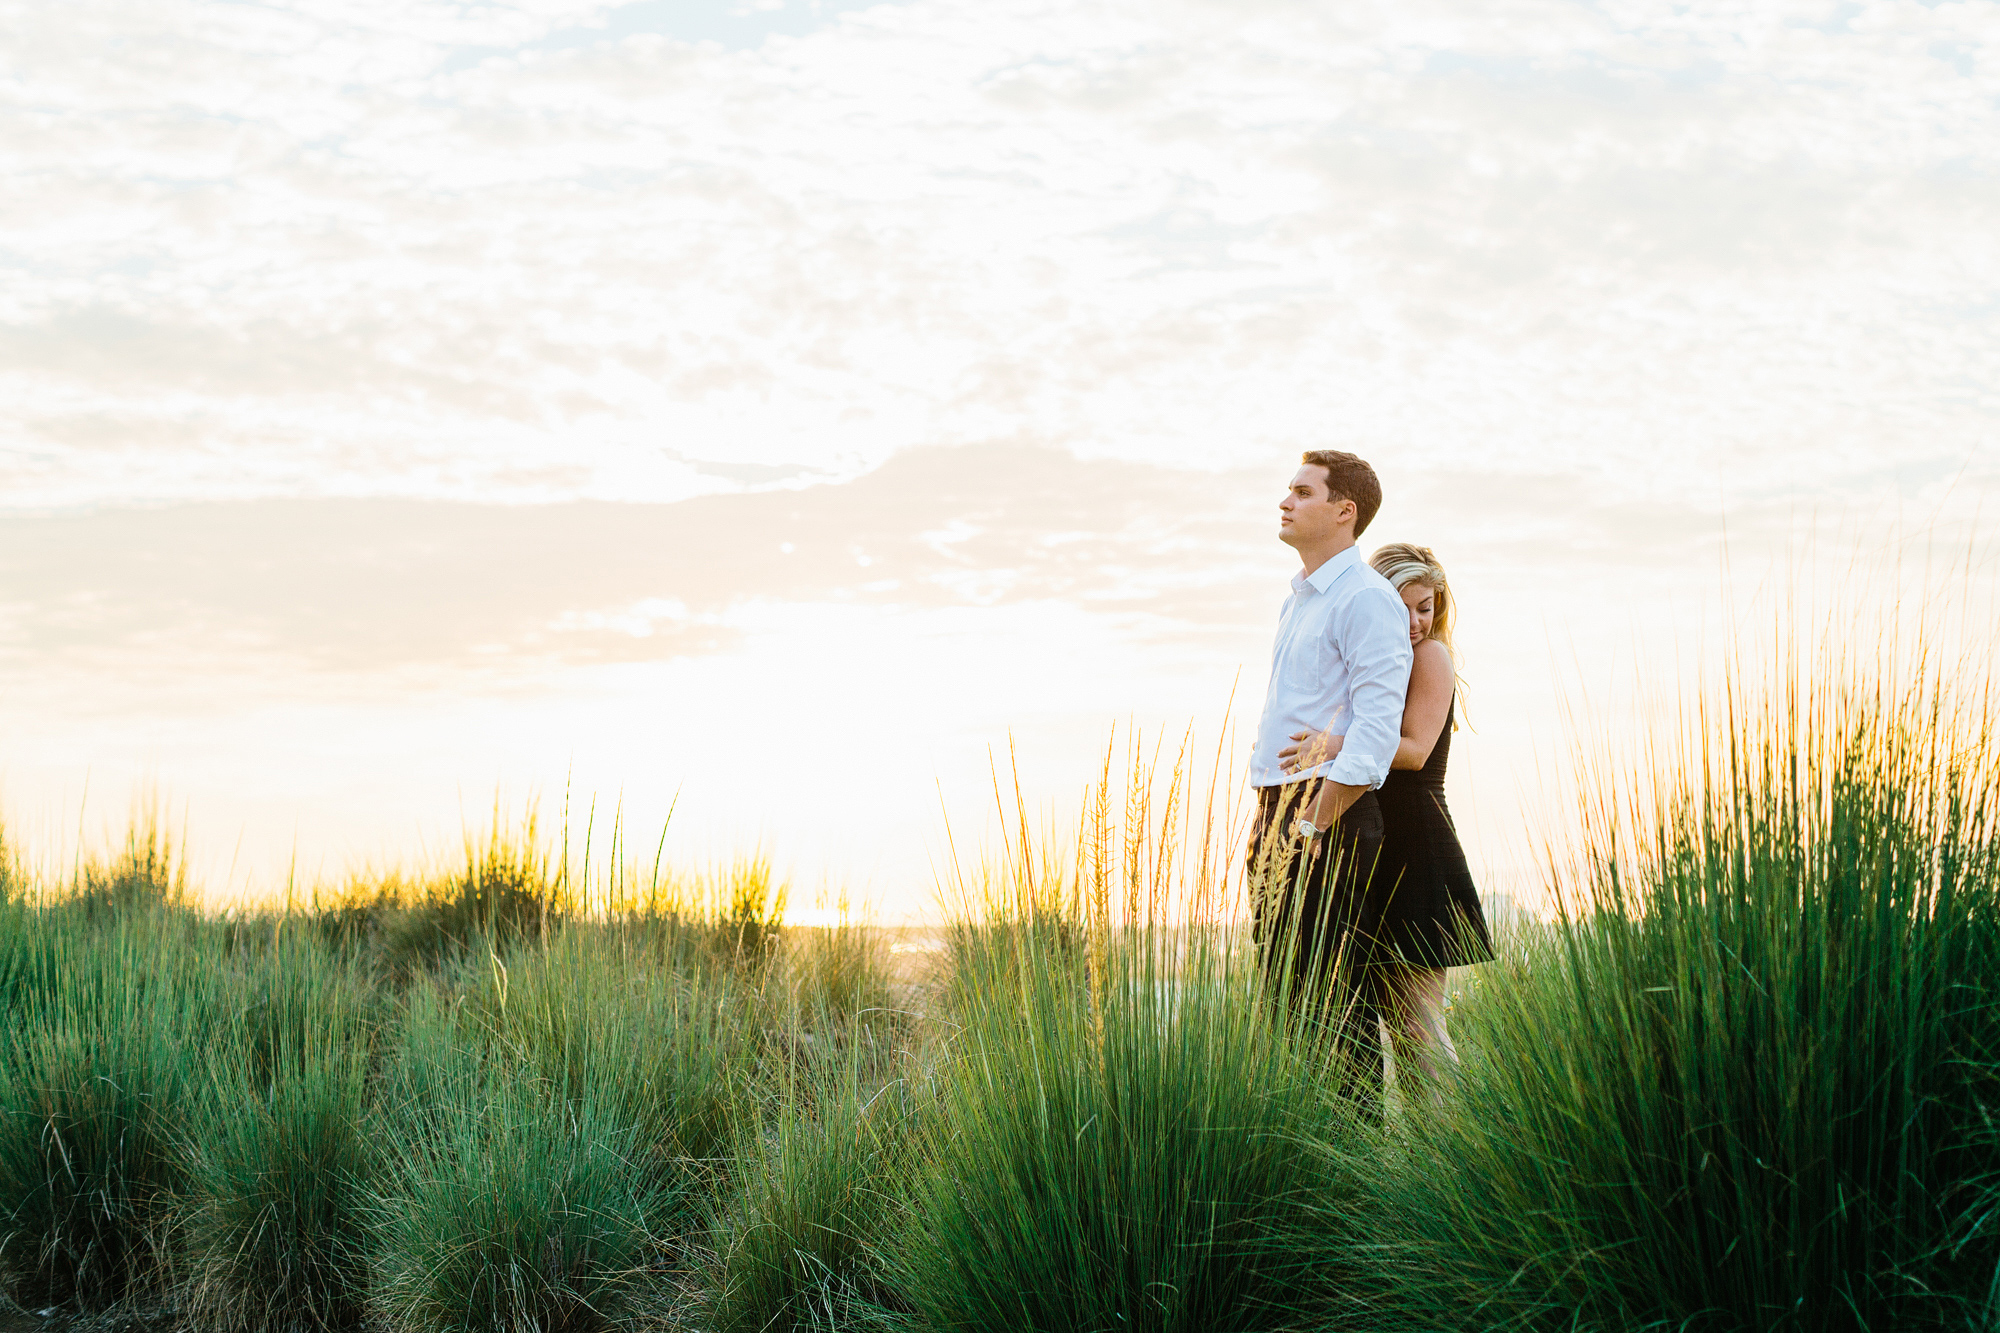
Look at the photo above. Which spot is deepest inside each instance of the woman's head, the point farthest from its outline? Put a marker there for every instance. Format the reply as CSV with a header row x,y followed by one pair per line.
x,y
1416,574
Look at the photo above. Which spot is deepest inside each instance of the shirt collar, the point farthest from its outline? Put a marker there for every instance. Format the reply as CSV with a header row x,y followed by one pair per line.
x,y
1322,578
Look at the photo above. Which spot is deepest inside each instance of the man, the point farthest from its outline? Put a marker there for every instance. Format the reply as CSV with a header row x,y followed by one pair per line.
x,y
1341,662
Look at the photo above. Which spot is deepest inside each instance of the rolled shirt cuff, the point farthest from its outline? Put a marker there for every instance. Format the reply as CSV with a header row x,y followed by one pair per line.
x,y
1356,769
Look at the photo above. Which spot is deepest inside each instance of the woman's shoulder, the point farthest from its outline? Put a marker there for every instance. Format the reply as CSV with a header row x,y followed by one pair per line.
x,y
1433,655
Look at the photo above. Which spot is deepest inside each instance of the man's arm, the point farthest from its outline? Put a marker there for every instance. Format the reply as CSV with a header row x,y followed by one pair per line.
x,y
1333,800
1374,637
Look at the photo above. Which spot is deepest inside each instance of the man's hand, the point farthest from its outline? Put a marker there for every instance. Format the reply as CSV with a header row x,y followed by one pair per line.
x,y
1309,749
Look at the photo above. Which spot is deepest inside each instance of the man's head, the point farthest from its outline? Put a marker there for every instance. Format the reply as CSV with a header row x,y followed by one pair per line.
x,y
1331,501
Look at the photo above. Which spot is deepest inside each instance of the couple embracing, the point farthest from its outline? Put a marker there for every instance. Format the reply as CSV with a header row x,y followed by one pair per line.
x,y
1361,890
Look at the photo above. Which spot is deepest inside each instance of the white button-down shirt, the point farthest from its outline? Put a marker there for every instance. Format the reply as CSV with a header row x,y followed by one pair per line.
x,y
1341,663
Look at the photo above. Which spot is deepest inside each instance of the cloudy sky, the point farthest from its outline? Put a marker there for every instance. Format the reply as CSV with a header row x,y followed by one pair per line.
x,y
779,404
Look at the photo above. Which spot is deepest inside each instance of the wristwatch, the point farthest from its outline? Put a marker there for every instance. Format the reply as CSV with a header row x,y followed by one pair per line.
x,y
1305,828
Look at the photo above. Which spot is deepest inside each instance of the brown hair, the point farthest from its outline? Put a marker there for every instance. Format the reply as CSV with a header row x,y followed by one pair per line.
x,y
1349,478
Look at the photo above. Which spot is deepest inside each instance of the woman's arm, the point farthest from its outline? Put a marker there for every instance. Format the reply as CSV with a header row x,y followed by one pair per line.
x,y
1425,706
1309,749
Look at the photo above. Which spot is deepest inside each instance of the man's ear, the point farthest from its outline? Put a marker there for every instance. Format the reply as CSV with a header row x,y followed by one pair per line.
x,y
1346,512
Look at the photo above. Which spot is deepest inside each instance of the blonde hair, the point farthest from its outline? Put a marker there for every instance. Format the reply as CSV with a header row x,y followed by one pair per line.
x,y
1403,564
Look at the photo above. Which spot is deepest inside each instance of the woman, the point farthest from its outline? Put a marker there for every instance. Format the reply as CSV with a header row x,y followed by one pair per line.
x,y
1431,918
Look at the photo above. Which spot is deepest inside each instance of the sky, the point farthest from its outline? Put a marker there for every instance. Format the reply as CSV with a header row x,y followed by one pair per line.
x,y
769,412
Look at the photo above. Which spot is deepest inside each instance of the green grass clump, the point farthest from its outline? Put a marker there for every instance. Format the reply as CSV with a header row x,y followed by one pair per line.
x,y
88,1161
838,976
799,1233
1129,1149
94,1081
665,1055
273,1228
359,918
1974,1250
509,888
731,916
13,875
754,908
506,1211
275,1220
1736,1086
31,961
147,874
1124,1133
283,996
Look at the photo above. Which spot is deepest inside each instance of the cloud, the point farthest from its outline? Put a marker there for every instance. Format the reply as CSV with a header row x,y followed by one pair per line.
x,y
498,596
585,250
364,586
397,395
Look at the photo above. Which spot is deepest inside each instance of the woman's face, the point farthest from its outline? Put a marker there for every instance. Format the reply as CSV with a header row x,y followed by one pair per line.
x,y
1422,602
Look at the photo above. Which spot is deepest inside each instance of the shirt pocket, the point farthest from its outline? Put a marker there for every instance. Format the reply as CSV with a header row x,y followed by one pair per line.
x,y
1308,659
1326,658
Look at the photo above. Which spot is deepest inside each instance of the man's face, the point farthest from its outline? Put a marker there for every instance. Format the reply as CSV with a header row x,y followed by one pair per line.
x,y
1306,517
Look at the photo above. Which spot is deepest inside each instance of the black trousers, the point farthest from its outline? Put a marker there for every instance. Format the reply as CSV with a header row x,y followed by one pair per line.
x,y
1317,913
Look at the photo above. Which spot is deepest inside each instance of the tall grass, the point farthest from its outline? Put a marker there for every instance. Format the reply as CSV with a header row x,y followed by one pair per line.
x,y
1746,1078
558,1114
275,1233
148,872
1126,1149
278,1165
1741,1082
838,976
1124,1131
104,1026
728,916
13,875
801,1232
510,886
591,1017
506,1210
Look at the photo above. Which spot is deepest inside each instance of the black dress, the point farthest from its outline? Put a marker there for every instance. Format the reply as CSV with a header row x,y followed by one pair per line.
x,y
1431,914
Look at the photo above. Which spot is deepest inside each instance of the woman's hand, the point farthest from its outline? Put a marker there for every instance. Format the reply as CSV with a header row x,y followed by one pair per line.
x,y
1309,749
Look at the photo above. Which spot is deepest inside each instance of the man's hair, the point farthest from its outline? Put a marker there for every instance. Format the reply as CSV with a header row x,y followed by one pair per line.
x,y
1349,478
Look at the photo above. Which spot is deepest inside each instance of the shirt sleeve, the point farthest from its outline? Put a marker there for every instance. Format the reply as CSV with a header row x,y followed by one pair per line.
x,y
1374,635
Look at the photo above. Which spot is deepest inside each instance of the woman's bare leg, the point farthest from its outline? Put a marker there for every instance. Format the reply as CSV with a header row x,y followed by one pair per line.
x,y
1414,1010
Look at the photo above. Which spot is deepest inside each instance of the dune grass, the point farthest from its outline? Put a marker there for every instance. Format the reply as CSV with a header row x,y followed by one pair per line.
x,y
1124,1132
667,1055
800,1233
275,1232
104,1024
148,873
1127,1145
220,1114
1747,1078
502,1207
271,1226
1741,1082
13,875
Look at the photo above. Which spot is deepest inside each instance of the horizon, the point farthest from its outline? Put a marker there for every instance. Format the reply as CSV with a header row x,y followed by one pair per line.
x,y
517,703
